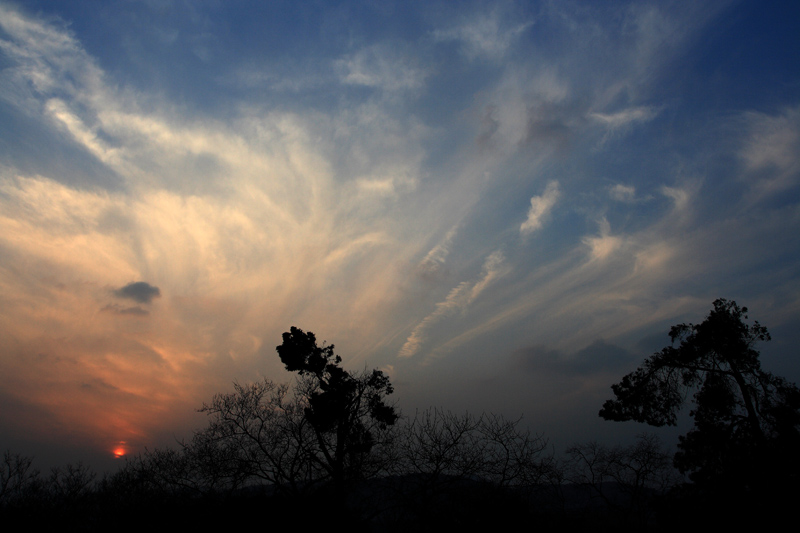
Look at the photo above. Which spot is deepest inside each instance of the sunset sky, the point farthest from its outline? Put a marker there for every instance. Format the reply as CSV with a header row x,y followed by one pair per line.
x,y
503,205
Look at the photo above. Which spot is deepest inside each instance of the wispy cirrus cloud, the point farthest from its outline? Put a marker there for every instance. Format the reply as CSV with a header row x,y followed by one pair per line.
x,y
626,117
623,193
457,300
770,151
382,67
434,260
376,179
485,35
621,122
219,213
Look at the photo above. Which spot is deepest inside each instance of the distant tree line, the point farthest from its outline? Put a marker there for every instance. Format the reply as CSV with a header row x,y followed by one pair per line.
x,y
331,449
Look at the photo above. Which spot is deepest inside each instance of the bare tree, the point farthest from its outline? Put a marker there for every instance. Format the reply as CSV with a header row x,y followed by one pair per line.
x,y
71,482
453,466
625,478
488,447
264,434
331,425
19,480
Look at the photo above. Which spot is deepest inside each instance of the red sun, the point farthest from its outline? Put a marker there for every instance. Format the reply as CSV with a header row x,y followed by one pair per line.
x,y
120,450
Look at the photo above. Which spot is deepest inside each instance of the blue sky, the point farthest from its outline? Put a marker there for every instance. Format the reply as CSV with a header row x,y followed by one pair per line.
x,y
504,205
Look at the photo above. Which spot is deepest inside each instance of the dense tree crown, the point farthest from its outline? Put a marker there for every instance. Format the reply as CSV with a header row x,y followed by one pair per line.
x,y
740,411
341,398
345,411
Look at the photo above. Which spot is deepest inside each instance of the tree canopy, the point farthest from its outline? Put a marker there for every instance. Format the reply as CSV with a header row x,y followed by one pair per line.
x,y
345,411
740,411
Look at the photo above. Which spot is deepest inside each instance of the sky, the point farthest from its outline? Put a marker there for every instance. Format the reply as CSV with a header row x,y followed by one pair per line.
x,y
503,205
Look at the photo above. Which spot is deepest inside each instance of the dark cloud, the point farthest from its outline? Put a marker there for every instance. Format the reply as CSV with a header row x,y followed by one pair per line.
x,y
139,291
489,126
599,356
552,124
535,359
653,342
98,386
119,310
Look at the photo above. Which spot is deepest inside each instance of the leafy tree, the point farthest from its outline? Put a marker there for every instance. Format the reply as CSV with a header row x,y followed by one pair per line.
x,y
332,425
347,412
745,419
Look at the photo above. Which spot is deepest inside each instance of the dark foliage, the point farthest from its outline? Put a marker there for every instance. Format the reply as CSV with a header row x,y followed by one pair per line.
x,y
746,420
346,412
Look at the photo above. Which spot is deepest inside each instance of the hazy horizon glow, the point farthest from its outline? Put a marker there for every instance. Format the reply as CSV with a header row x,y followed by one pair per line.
x,y
504,205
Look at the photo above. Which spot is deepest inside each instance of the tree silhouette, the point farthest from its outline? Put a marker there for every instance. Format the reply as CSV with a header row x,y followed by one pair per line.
x,y
628,479
450,470
256,432
746,420
348,413
19,480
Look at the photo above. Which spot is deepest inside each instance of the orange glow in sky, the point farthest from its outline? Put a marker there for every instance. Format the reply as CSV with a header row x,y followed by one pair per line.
x,y
120,450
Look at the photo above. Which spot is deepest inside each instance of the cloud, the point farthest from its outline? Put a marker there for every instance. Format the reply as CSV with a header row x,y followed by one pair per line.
x,y
770,151
540,207
625,117
493,268
626,194
485,35
680,197
623,193
44,51
620,122
304,214
458,299
530,110
598,357
119,310
139,291
603,246
341,191
81,133
381,67
552,125
434,260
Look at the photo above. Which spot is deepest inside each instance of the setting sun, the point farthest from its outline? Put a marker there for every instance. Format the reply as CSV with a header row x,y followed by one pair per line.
x,y
120,450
